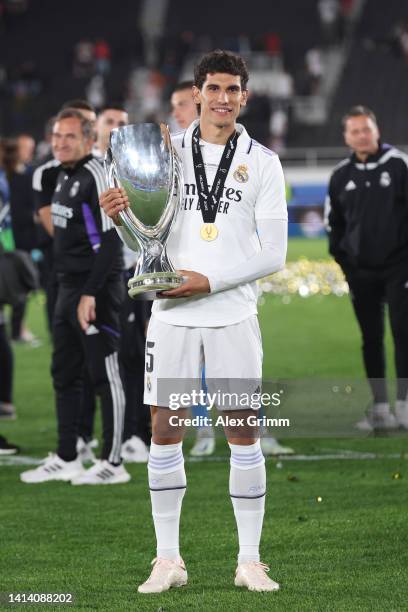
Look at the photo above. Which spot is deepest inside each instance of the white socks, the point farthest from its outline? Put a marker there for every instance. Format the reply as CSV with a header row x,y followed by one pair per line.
x,y
247,489
167,482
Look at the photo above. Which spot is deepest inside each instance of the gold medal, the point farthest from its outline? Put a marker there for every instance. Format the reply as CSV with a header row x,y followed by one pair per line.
x,y
208,232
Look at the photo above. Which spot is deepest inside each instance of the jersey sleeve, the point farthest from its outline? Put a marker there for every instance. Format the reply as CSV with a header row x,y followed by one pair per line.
x,y
273,239
271,200
44,183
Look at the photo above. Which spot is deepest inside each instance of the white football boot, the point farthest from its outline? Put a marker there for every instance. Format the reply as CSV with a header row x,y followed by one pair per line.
x,y
204,444
103,473
165,574
401,413
253,576
135,450
53,468
379,417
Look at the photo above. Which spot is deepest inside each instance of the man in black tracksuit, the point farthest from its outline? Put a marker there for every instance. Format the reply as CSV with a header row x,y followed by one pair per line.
x,y
44,182
88,263
367,222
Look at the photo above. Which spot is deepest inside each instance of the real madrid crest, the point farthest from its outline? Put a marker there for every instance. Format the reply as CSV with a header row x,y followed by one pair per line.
x,y
385,179
241,174
74,189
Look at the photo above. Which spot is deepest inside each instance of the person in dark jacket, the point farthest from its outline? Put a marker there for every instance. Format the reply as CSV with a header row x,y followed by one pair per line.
x,y
86,330
7,409
366,216
23,225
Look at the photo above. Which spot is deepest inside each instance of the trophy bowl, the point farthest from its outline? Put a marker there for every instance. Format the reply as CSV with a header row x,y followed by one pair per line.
x,y
142,160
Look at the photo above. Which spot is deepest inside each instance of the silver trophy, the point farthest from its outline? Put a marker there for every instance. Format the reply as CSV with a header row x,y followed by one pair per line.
x,y
142,161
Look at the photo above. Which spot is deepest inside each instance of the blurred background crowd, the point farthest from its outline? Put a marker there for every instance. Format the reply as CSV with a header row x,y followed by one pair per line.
x,y
306,62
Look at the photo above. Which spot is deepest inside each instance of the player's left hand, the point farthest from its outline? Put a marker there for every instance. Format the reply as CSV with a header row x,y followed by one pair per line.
x,y
194,284
86,311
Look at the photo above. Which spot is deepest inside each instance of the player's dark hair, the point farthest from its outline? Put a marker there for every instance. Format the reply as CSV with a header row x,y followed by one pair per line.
x,y
72,113
79,104
358,111
221,61
118,106
182,86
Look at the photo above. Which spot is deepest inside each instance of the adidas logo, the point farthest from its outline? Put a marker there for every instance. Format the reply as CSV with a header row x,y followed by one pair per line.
x,y
92,330
350,186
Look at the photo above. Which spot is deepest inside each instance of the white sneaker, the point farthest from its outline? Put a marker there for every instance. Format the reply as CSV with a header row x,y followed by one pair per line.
x,y
252,575
378,417
165,574
401,413
270,446
84,450
53,468
135,450
103,473
204,444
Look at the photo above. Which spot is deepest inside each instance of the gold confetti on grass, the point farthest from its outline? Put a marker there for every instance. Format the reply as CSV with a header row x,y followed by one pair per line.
x,y
306,278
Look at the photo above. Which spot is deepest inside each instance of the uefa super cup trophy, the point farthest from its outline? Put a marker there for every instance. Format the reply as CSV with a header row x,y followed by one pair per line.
x,y
142,161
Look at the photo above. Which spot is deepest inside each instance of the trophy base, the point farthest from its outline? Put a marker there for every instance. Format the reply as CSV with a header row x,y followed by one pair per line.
x,y
147,286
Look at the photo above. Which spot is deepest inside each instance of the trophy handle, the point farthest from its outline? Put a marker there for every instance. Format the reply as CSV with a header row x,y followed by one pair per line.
x,y
154,271
110,170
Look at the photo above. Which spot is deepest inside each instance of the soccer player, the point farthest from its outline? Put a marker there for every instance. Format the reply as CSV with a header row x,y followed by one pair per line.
x,y
183,107
231,230
366,217
88,263
112,116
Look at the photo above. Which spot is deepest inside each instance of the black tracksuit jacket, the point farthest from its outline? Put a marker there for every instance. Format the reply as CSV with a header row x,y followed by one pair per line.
x,y
366,210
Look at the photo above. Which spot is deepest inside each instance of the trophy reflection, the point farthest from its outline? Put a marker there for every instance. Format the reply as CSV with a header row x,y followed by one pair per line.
x,y
142,161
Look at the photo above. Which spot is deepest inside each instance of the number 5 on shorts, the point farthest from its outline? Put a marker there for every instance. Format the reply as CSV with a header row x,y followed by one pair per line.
x,y
149,357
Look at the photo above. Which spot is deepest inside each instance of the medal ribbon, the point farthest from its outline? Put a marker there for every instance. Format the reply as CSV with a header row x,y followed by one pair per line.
x,y
209,200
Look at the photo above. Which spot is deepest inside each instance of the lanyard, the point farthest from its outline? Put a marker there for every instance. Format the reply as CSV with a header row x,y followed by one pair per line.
x,y
209,200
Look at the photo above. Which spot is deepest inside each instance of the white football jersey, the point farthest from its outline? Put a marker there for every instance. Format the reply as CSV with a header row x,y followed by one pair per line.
x,y
254,189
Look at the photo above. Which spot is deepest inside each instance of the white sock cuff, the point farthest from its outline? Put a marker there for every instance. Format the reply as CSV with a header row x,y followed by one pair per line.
x,y
165,458
246,457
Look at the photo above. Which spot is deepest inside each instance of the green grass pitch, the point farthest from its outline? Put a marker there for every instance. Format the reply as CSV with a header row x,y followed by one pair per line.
x,y
347,552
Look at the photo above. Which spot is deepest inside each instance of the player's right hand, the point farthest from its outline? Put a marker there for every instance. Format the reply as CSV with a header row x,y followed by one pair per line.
x,y
113,201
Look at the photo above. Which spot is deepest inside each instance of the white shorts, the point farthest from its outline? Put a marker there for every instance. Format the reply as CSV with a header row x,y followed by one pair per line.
x,y
176,355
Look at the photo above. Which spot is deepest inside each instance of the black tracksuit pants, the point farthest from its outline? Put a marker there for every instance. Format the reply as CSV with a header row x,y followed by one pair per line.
x,y
370,291
98,349
88,408
6,363
134,317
